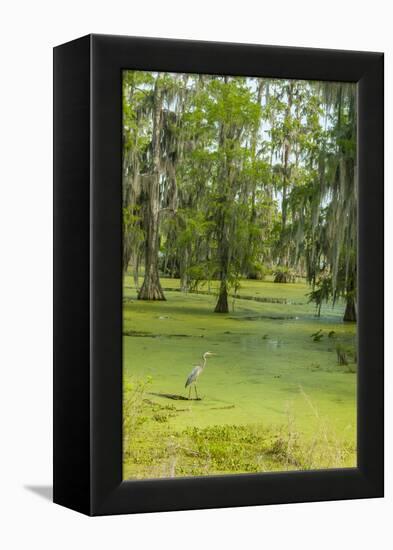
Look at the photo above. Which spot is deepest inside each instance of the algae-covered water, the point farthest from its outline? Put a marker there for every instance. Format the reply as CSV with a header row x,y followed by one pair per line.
x,y
270,373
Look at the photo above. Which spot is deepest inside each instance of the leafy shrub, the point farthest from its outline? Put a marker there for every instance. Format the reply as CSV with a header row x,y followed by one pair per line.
x,y
284,275
258,271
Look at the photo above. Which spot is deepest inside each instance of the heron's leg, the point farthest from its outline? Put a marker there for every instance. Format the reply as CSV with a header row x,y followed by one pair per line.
x,y
196,393
189,393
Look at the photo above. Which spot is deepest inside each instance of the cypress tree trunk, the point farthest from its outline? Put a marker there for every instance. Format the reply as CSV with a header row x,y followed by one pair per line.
x,y
126,256
136,271
183,270
283,259
222,303
253,147
151,288
223,233
350,310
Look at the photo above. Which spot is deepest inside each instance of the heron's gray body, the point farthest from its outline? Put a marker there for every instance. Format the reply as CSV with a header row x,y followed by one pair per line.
x,y
195,373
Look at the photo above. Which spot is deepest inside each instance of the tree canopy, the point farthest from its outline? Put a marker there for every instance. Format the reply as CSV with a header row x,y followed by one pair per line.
x,y
228,177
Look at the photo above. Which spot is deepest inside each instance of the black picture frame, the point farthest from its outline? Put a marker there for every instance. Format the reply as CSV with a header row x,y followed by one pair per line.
x,y
88,274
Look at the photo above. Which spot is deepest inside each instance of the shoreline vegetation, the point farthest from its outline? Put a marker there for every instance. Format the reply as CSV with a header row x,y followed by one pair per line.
x,y
153,450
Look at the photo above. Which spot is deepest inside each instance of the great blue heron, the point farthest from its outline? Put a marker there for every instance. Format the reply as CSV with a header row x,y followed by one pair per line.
x,y
196,372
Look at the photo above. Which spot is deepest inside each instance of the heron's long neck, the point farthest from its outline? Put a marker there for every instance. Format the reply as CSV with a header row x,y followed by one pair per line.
x,y
204,362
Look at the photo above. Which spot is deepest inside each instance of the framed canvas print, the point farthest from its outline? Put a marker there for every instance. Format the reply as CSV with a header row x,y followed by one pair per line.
x,y
218,275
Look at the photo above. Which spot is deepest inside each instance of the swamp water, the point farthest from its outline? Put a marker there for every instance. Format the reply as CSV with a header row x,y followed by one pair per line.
x,y
274,397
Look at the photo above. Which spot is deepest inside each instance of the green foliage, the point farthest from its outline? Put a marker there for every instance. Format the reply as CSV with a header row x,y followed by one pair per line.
x,y
321,292
284,274
345,356
133,408
258,271
220,449
254,173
